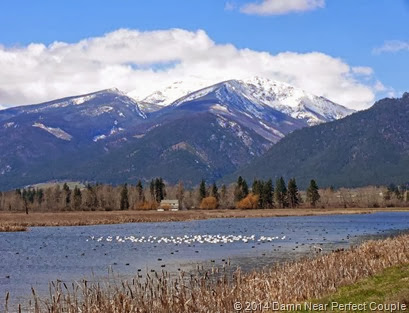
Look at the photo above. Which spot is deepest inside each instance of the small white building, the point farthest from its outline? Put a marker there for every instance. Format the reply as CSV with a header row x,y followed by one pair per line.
x,y
172,205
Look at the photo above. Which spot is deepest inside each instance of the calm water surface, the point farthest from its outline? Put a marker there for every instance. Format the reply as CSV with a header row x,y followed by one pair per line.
x,y
33,258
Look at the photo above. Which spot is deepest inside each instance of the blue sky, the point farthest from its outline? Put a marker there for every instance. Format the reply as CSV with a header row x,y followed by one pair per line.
x,y
353,30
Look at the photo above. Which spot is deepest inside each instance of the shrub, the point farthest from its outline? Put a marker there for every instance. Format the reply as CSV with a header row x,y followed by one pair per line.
x,y
249,202
209,203
152,205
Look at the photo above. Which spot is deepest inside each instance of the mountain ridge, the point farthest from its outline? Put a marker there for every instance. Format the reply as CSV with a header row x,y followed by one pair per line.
x,y
367,147
86,137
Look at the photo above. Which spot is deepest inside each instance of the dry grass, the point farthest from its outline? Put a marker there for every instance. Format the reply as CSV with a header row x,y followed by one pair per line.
x,y
80,218
215,292
12,228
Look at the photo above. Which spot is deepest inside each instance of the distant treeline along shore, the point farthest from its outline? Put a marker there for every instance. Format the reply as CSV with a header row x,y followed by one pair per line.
x,y
262,194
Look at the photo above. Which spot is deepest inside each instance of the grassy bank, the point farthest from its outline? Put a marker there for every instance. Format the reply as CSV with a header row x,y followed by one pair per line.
x,y
79,218
12,228
215,292
389,288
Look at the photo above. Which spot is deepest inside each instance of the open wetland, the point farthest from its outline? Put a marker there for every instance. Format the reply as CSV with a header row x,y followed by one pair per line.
x,y
43,254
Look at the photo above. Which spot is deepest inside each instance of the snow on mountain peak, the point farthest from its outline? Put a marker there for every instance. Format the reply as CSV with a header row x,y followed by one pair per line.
x,y
167,95
280,96
261,91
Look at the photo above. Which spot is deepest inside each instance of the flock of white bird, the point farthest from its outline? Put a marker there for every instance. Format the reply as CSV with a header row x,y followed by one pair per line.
x,y
187,239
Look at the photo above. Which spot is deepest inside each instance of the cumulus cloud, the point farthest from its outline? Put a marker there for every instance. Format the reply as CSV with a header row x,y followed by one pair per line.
x,y
392,46
280,7
363,70
142,62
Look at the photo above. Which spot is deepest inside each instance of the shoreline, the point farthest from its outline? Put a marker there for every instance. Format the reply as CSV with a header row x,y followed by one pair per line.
x,y
17,221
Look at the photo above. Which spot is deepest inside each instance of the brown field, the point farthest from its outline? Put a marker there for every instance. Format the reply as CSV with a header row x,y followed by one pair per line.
x,y
214,291
20,221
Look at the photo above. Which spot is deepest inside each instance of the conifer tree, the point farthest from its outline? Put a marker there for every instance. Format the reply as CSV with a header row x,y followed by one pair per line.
x,y
139,189
268,194
280,193
39,196
67,194
202,191
162,189
124,205
159,190
77,198
245,188
241,190
91,198
313,195
152,190
215,191
223,195
180,193
293,194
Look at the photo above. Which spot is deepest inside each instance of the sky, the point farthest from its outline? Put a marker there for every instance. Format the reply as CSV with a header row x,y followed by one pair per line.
x,y
350,51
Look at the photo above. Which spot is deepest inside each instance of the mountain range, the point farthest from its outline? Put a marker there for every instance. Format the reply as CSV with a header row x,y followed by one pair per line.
x,y
182,132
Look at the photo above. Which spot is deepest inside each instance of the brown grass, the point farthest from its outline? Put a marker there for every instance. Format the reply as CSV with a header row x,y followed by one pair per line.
x,y
12,228
212,292
80,218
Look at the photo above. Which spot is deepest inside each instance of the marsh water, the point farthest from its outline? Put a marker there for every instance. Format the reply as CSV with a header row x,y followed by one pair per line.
x,y
43,254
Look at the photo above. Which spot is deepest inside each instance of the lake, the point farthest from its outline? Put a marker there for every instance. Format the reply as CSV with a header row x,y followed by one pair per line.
x,y
33,258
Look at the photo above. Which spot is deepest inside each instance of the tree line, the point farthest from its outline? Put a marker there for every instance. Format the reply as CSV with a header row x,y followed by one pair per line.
x,y
262,194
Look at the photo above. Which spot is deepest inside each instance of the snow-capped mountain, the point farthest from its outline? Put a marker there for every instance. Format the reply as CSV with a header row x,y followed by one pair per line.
x,y
165,96
105,136
95,115
280,96
296,102
39,141
231,101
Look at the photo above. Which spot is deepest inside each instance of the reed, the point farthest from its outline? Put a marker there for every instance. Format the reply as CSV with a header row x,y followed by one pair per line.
x,y
12,228
216,290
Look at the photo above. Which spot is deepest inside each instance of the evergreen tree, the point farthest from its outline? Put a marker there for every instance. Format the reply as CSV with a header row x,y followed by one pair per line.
x,y
257,189
159,190
215,191
39,196
265,190
180,193
245,188
241,190
139,190
293,194
313,195
124,205
268,194
67,194
280,193
223,195
77,198
91,198
202,191
152,190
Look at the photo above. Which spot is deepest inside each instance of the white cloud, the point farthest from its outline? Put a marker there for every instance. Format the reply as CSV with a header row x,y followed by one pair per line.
x,y
379,86
392,46
280,7
362,70
142,62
